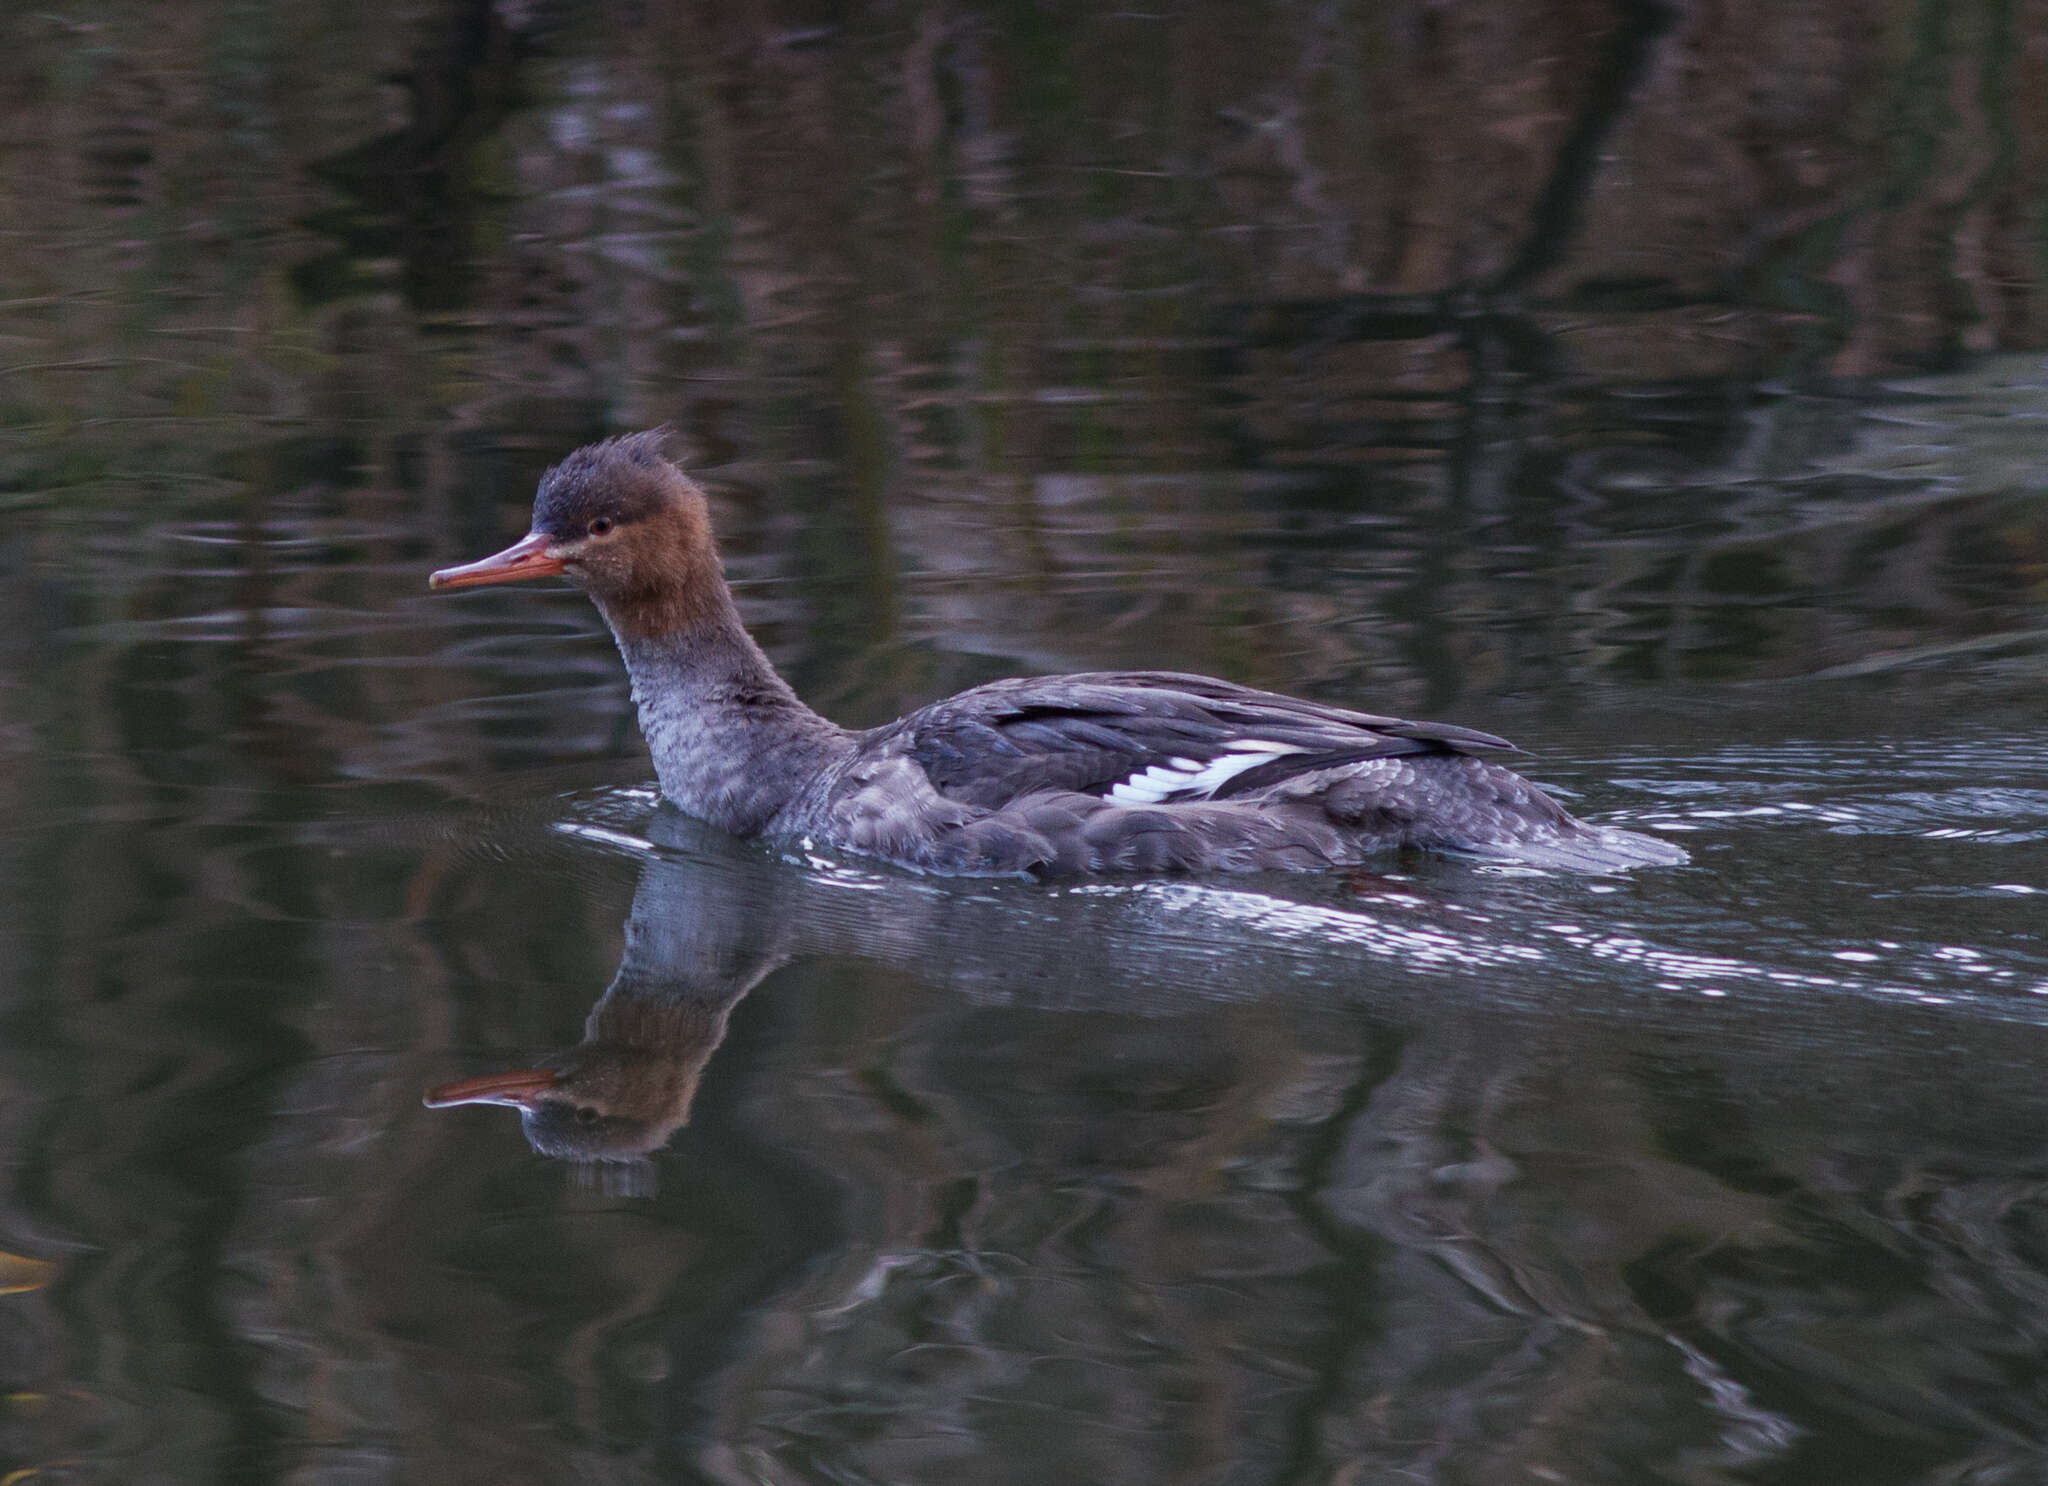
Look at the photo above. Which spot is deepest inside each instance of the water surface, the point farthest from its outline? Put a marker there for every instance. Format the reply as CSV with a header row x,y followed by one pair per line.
x,y
1672,405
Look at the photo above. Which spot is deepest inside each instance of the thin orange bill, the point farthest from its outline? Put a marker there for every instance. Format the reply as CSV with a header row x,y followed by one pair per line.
x,y
525,558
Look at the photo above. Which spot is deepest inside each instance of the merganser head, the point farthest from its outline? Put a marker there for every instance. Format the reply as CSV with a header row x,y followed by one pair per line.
x,y
624,524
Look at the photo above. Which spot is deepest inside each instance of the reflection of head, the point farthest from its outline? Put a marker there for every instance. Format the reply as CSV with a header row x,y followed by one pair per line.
x,y
565,1118
695,945
607,1098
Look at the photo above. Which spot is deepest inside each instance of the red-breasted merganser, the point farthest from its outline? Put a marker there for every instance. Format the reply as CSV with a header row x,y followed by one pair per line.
x,y
1121,771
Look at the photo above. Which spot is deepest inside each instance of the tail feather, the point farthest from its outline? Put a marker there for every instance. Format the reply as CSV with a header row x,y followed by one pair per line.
x,y
1579,847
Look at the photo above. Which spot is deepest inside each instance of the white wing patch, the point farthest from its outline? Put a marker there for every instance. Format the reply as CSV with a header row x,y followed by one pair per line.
x,y
1187,778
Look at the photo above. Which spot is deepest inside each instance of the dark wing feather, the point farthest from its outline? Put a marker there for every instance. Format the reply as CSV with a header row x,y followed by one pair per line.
x,y
1090,733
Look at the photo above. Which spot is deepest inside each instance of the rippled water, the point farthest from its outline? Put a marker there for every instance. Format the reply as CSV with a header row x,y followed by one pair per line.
x,y
1736,1166
1672,405
1405,1172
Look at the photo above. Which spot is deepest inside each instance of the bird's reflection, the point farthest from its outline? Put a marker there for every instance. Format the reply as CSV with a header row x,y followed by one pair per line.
x,y
694,949
711,919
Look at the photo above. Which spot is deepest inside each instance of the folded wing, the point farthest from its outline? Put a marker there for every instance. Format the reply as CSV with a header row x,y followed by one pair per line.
x,y
1150,738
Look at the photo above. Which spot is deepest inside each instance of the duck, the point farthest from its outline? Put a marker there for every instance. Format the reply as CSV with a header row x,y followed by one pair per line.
x,y
1100,773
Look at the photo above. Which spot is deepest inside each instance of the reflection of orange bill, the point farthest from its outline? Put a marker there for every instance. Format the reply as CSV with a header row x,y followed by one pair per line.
x,y
20,1274
518,1088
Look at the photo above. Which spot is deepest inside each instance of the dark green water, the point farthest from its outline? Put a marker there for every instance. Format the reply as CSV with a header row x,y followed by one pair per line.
x,y
1664,390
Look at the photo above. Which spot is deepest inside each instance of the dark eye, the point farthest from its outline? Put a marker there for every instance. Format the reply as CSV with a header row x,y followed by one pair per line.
x,y
600,525
585,1115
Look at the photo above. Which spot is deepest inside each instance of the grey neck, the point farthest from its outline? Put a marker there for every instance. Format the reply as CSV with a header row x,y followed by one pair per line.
x,y
732,744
